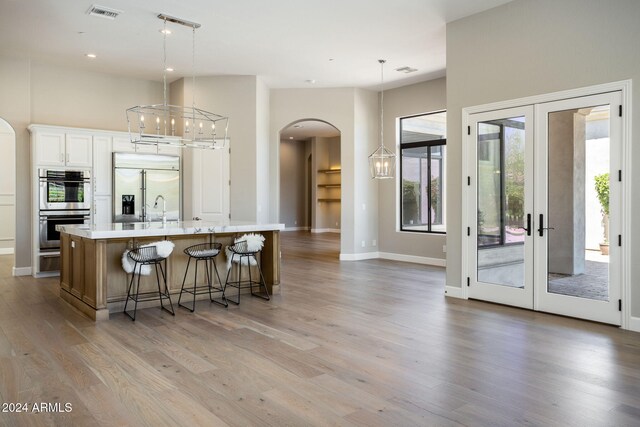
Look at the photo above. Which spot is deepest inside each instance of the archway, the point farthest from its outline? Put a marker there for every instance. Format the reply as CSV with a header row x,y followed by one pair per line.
x,y
310,176
7,189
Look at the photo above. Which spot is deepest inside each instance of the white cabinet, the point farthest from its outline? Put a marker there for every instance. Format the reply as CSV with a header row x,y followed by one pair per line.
x,y
63,149
101,209
124,145
102,165
209,184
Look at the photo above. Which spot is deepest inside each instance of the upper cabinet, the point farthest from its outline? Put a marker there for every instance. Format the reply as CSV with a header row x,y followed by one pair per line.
x,y
101,165
53,148
124,145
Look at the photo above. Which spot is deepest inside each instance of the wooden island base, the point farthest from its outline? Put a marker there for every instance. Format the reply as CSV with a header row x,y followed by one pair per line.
x,y
93,281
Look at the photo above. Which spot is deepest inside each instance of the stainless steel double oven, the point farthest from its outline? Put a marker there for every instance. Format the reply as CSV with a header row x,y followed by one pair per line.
x,y
65,198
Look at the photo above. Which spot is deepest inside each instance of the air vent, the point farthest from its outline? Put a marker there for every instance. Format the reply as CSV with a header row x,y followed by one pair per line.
x,y
406,70
103,12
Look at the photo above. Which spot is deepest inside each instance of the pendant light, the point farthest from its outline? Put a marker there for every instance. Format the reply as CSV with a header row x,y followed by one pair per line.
x,y
176,125
382,162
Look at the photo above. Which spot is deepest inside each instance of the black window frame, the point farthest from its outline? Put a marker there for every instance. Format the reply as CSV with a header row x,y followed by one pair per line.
x,y
419,144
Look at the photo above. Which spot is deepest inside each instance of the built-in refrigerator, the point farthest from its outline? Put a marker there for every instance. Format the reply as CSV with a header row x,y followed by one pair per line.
x,y
138,180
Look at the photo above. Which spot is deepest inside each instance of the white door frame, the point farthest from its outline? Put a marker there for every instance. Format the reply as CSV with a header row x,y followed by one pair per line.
x,y
502,294
625,257
600,311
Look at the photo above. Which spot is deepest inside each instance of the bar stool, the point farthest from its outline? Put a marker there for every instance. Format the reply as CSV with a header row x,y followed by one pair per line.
x,y
146,256
206,252
242,253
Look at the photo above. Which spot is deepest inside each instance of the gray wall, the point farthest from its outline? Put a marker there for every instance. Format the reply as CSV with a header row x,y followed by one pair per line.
x,y
541,46
47,94
293,183
405,101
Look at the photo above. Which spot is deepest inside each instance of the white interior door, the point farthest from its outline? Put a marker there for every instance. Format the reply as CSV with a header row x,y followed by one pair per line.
x,y
578,148
501,206
210,183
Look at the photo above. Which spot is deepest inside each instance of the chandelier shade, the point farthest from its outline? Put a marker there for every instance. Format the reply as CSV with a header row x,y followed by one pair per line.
x,y
382,162
176,125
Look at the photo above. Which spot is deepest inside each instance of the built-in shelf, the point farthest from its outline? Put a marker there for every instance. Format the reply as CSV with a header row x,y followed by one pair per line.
x,y
329,170
328,200
329,185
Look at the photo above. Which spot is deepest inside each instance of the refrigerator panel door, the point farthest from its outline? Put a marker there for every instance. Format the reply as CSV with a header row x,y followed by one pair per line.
x,y
127,195
167,184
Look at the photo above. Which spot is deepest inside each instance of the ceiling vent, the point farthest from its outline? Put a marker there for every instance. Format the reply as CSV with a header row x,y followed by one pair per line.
x,y
103,12
406,70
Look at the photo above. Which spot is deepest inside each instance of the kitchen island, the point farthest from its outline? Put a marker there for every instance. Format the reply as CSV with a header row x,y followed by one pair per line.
x,y
92,278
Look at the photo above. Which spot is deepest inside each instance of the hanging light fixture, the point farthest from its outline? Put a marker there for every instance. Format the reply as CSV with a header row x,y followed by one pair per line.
x,y
164,124
382,162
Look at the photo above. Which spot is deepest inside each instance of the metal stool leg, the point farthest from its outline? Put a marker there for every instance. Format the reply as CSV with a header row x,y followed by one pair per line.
x,y
183,281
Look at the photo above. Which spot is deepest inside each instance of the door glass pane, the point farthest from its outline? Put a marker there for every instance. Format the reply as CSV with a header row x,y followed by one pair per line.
x,y
500,217
578,191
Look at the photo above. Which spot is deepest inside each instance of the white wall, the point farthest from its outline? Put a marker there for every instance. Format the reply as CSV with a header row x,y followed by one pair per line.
x,y
7,188
418,98
542,46
354,113
243,100
47,94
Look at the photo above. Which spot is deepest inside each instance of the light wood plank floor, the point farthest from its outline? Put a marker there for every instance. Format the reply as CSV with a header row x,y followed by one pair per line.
x,y
370,343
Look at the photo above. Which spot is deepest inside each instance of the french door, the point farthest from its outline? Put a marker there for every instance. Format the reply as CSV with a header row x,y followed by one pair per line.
x,y
545,193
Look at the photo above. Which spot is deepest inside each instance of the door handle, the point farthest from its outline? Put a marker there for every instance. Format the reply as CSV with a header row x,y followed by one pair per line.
x,y
542,227
196,218
528,227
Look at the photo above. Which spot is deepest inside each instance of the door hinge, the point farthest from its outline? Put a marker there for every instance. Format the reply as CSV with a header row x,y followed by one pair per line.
x,y
620,175
229,182
620,110
229,216
468,130
468,231
468,281
468,180
619,239
619,305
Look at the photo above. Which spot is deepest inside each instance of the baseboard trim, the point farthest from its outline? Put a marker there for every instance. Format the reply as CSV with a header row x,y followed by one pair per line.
x,y
6,251
451,291
325,230
634,324
413,258
21,271
359,257
296,229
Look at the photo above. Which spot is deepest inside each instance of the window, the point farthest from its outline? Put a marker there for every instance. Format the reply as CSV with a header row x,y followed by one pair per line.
x,y
422,169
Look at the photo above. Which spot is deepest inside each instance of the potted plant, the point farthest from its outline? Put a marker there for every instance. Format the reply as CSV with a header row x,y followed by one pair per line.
x,y
602,190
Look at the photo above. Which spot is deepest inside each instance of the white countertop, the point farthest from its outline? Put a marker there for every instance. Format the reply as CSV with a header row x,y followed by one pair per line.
x,y
171,228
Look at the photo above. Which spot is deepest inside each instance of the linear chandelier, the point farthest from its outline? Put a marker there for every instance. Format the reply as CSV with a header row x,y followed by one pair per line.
x,y
175,125
382,162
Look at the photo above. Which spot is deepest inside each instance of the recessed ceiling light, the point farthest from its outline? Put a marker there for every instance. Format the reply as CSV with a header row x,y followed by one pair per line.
x,y
290,137
169,69
310,81
165,31
91,55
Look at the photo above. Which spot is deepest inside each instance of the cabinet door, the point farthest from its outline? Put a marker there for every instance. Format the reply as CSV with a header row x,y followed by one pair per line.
x,y
101,165
50,149
210,184
102,209
78,150
124,145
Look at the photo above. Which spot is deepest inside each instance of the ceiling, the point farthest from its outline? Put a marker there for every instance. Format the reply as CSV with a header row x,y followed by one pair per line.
x,y
334,43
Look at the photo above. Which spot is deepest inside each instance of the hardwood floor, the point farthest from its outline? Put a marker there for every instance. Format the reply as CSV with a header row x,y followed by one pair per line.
x,y
368,343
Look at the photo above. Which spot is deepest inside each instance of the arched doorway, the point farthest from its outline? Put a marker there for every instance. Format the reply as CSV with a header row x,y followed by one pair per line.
x,y
7,189
310,177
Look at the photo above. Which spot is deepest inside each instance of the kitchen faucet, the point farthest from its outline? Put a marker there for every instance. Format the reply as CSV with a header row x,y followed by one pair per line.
x,y
164,207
